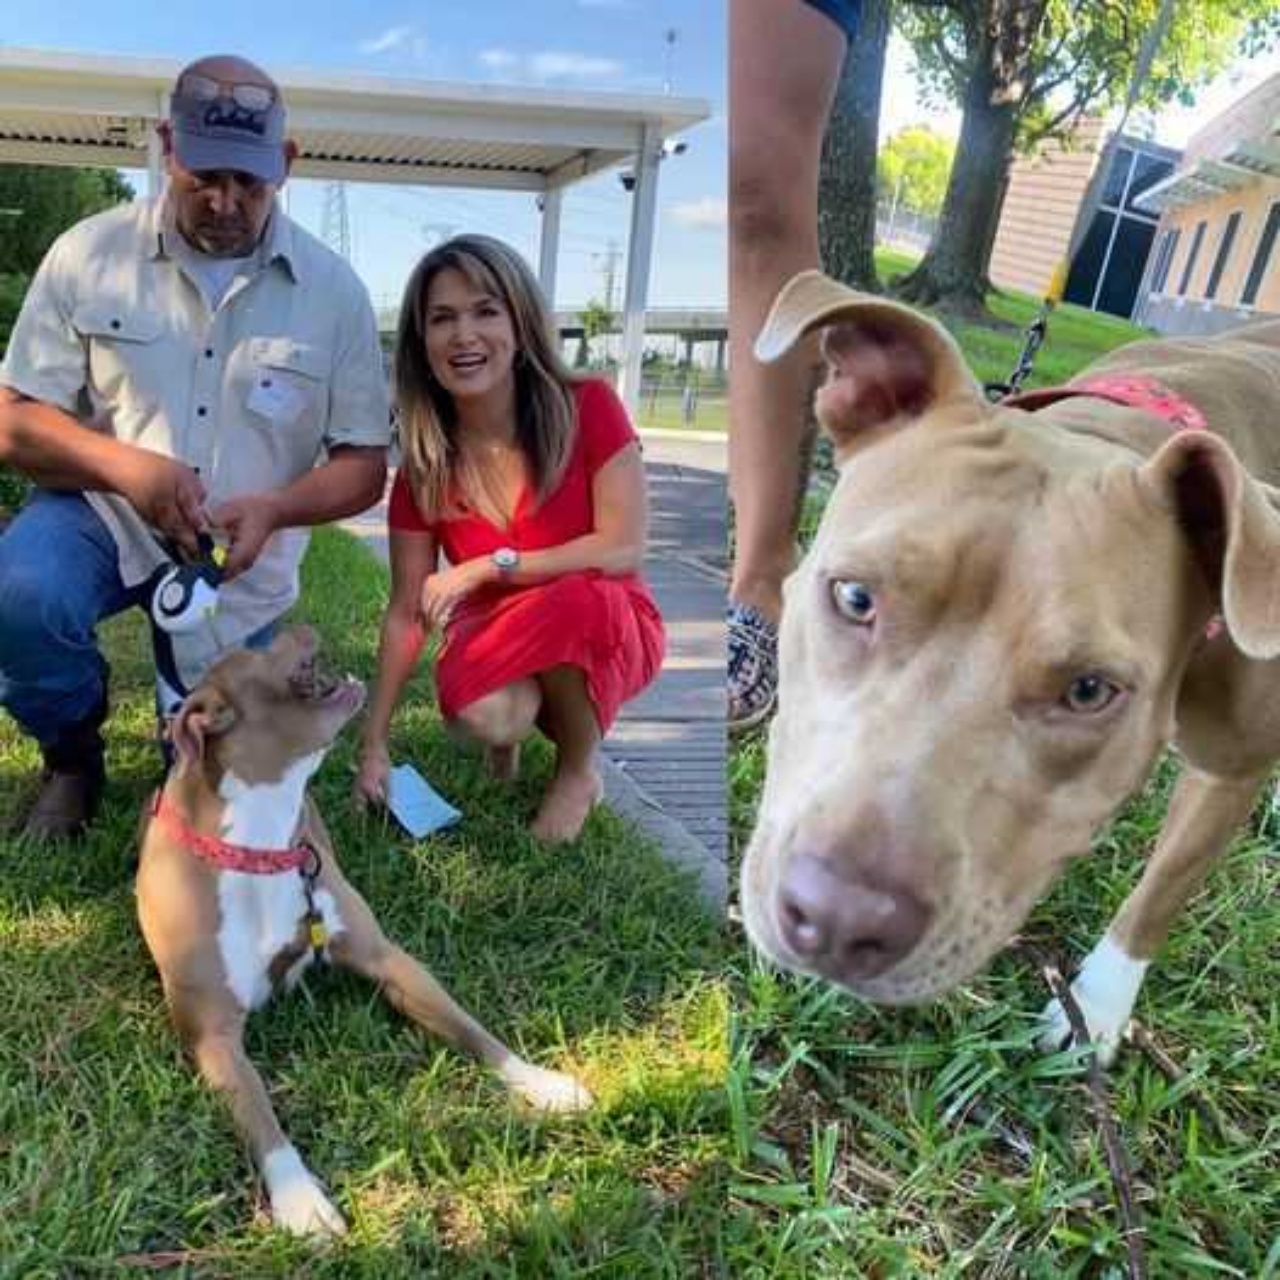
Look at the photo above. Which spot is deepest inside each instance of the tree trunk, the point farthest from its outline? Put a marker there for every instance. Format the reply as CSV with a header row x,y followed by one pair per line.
x,y
953,273
847,185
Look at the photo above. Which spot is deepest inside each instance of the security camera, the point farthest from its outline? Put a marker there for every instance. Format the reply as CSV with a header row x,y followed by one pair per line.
x,y
628,179
670,148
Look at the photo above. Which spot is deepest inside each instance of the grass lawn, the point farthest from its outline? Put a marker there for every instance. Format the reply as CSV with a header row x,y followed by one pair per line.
x,y
114,1159
938,1142
666,410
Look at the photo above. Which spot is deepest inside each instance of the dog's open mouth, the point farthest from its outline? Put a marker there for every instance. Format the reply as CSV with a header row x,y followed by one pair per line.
x,y
312,683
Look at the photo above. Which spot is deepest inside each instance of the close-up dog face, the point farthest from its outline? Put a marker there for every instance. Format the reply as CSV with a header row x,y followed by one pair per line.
x,y
964,698
258,712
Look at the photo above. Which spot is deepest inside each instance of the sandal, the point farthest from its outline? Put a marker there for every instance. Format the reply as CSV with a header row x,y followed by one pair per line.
x,y
752,667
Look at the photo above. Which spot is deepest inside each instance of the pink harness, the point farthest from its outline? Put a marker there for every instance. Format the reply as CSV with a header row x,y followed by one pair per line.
x,y
227,856
1132,390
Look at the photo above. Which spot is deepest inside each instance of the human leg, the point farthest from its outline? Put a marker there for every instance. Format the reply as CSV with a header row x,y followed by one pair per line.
x,y
785,61
500,722
568,718
59,577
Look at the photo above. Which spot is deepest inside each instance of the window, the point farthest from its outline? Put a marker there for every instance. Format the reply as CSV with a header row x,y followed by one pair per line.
x,y
1168,247
1196,241
1262,257
1224,252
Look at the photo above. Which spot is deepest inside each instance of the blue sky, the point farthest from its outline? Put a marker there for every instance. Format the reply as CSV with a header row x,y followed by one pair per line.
x,y
613,45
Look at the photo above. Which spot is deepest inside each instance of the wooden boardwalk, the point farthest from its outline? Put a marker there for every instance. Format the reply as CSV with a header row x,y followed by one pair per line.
x,y
671,740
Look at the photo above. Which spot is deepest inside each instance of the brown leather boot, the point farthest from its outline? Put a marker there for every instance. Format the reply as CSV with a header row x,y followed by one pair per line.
x,y
71,784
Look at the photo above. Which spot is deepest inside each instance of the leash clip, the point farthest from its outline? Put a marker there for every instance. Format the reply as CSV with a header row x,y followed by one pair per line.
x,y
317,933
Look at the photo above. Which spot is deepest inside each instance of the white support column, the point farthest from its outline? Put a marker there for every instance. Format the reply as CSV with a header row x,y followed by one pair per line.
x,y
644,203
155,152
549,244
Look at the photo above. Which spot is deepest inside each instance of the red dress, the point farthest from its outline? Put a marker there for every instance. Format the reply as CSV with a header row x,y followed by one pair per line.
x,y
608,626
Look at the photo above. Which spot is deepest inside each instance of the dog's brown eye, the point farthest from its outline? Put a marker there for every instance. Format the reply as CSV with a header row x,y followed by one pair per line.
x,y
1088,694
854,601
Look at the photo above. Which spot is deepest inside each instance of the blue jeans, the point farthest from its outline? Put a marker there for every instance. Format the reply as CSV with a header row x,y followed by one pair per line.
x,y
60,577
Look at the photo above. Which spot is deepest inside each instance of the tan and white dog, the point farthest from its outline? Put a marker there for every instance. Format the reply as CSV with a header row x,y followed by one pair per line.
x,y
1007,612
239,892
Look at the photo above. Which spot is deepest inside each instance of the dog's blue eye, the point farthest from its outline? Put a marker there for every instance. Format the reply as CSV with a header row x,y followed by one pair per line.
x,y
1089,694
854,601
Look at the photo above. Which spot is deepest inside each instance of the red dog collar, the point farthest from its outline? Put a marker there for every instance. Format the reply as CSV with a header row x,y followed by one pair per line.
x,y
226,856
1133,390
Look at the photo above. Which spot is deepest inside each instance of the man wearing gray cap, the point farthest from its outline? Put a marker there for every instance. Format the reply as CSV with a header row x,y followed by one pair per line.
x,y
188,366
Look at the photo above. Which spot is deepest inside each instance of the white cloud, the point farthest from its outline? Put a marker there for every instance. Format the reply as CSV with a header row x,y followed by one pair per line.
x,y
499,59
392,38
551,65
711,213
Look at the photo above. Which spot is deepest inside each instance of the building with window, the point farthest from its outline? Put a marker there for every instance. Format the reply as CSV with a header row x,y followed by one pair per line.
x,y
1217,262
1077,192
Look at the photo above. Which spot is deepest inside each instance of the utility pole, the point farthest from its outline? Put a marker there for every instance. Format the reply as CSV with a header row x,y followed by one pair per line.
x,y
335,222
670,36
609,260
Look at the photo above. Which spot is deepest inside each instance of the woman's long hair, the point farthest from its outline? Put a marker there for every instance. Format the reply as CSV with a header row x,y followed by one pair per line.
x,y
545,412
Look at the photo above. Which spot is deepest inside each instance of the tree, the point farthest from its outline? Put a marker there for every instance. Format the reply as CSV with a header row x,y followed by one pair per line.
x,y
1025,70
914,165
36,205
596,319
40,203
847,186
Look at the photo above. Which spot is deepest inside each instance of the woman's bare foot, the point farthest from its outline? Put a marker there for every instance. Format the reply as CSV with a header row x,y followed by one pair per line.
x,y
503,763
569,799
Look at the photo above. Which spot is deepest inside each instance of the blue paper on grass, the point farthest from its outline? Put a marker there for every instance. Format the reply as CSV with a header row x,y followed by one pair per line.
x,y
416,804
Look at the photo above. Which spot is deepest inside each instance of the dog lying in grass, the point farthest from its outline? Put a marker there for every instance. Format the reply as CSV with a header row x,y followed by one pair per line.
x,y
239,892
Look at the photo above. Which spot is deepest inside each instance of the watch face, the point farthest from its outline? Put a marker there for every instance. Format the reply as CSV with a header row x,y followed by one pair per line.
x,y
506,558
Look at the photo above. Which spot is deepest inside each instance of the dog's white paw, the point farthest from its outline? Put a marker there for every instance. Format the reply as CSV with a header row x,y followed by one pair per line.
x,y
1055,1029
547,1090
1106,990
298,1203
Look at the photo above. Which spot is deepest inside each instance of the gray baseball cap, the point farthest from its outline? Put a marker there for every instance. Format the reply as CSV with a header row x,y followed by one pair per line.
x,y
220,132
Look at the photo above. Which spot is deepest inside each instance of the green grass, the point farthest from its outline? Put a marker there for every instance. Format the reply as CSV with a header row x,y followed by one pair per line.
x,y
711,412
939,1142
597,958
1076,335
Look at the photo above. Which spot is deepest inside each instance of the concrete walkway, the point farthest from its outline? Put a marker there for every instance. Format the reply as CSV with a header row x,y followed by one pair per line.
x,y
664,762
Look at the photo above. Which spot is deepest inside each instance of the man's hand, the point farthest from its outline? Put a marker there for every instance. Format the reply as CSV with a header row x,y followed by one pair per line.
x,y
442,591
247,523
167,494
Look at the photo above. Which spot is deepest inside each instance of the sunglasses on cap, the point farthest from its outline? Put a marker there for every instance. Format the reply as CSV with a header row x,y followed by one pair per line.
x,y
252,97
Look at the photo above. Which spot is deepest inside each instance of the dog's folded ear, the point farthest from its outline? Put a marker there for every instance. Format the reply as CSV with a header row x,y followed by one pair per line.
x,y
205,714
887,363
1233,523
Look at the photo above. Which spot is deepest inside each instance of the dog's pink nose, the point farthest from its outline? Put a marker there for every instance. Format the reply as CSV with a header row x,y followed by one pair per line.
x,y
843,926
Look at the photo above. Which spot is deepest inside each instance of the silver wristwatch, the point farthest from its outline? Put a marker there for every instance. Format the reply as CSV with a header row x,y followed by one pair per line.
x,y
506,560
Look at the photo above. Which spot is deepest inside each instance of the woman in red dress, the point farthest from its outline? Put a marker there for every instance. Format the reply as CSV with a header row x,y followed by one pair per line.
x,y
530,482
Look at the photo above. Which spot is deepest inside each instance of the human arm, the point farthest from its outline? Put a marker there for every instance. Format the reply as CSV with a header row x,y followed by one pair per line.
x,y
349,482
52,448
413,556
615,545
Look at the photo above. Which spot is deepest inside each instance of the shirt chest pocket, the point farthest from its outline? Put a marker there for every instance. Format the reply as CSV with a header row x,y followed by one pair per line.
x,y
124,355
287,384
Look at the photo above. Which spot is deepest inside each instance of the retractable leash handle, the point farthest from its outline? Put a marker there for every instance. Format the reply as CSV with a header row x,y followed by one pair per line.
x,y
186,594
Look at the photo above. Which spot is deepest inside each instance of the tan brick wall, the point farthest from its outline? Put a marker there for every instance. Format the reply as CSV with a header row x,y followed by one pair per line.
x,y
1044,195
1253,202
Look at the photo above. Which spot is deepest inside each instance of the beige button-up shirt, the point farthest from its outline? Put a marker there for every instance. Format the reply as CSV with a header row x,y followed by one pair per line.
x,y
116,330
